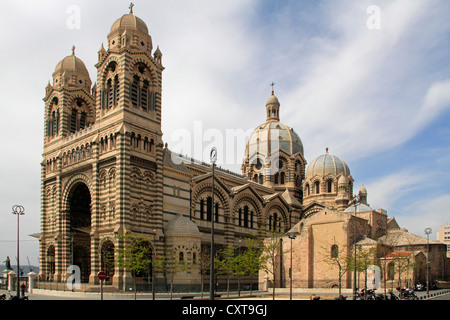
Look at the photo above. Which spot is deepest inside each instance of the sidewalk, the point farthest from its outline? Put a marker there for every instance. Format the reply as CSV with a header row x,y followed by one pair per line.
x,y
280,294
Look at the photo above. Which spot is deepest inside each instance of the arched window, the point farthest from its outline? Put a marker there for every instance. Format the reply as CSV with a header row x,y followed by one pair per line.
x,y
181,256
261,178
51,260
275,222
391,271
143,97
202,209
82,120
246,217
317,187
110,91
73,121
330,186
116,90
152,142
334,251
282,175
307,189
276,178
134,91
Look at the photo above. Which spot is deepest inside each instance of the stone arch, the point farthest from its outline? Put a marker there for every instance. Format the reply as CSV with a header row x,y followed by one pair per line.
x,y
276,218
241,200
78,178
107,259
204,190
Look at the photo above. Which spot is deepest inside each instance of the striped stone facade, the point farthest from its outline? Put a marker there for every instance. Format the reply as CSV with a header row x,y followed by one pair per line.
x,y
106,172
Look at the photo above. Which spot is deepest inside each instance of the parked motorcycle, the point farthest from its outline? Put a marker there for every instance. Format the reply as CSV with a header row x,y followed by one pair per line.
x,y
392,296
407,294
434,285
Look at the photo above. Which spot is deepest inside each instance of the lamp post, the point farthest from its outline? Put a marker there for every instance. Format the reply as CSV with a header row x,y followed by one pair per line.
x,y
19,211
354,202
292,234
213,157
428,232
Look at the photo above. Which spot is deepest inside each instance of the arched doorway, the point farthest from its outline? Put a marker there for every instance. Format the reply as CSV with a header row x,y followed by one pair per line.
x,y
50,263
79,204
107,260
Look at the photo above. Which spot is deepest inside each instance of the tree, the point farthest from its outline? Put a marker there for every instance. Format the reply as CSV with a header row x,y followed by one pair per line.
x,y
271,255
364,259
338,256
205,265
250,261
226,265
172,263
136,256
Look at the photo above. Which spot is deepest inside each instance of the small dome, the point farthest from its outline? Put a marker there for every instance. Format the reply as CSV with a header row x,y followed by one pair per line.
x,y
359,208
271,137
363,190
273,100
180,225
73,65
129,21
343,180
327,164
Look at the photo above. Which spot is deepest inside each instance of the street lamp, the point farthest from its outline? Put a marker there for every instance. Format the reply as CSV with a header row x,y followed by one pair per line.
x,y
355,201
213,157
19,211
292,234
428,232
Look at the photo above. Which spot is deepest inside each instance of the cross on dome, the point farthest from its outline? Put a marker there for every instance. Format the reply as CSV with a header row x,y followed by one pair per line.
x,y
131,7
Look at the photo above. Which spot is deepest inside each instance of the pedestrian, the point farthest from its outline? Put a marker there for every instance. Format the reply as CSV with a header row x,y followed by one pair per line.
x,y
22,289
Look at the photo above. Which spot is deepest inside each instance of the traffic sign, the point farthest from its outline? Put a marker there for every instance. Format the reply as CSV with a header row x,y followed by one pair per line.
x,y
101,275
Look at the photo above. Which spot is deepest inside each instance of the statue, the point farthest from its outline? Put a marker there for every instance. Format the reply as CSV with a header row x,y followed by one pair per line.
x,y
7,264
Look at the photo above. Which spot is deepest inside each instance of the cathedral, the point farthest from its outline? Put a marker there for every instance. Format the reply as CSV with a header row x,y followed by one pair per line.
x,y
106,171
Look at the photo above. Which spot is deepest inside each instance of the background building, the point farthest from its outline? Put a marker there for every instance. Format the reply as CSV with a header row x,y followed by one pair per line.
x,y
443,235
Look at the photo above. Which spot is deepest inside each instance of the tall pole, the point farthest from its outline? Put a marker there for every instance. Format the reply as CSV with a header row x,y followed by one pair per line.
x,y
292,237
354,202
292,234
427,232
18,210
213,156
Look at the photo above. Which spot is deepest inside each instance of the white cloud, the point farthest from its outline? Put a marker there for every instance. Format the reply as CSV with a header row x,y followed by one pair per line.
x,y
436,100
385,191
432,212
359,97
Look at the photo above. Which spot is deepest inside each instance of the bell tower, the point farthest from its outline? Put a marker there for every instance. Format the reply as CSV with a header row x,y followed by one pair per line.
x,y
128,104
102,167
69,104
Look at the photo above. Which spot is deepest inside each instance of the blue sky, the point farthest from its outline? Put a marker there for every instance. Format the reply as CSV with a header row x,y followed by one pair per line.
x,y
377,98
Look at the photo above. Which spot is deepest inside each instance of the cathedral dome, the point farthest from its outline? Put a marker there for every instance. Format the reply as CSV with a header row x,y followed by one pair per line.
x,y
129,21
72,64
271,137
181,226
327,164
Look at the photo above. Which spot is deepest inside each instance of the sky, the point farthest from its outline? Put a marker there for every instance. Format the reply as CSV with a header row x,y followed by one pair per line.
x,y
370,80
